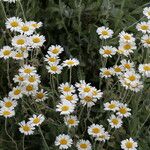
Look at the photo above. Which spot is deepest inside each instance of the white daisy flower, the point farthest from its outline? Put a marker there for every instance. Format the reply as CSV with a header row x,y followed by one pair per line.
x,y
19,55
95,130
107,51
66,88
126,37
97,93
63,141
27,70
146,40
52,60
84,145
26,128
8,103
7,112
81,84
32,79
69,97
85,89
36,41
30,89
55,50
40,96
129,144
70,62
36,25
144,27
71,121
144,69
136,86
26,28
112,106
6,52
16,93
146,12
20,41
118,69
127,47
115,122
18,79
65,108
106,72
127,64
104,32
123,110
54,68
13,23
87,99
105,136
36,120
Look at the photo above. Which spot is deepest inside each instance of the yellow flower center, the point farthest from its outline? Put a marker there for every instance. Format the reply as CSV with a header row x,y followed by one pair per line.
x,y
127,66
14,24
70,62
8,104
39,95
55,50
107,51
17,92
20,41
34,25
36,40
69,97
83,146
112,106
129,144
6,113
66,89
63,142
95,93
88,98
71,121
123,110
127,46
144,27
115,121
52,59
102,136
26,128
36,120
104,32
6,52
107,72
19,55
96,130
21,78
25,28
23,48
132,78
27,70
117,69
147,68
54,68
32,79
127,37
65,108
87,89
29,88
147,41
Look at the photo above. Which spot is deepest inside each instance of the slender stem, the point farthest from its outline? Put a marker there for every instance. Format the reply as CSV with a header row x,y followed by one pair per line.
x,y
23,139
23,13
8,77
45,143
3,9
10,135
70,75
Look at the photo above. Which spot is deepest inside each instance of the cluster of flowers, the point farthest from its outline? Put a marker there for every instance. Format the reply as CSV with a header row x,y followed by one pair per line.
x,y
26,41
126,72
28,128
121,111
52,58
88,96
10,1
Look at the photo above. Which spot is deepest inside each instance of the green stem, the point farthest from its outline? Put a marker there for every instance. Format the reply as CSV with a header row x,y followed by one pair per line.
x,y
3,9
23,13
70,75
23,148
10,135
45,143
